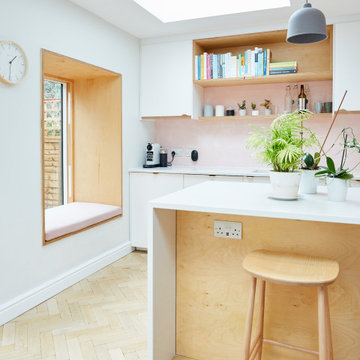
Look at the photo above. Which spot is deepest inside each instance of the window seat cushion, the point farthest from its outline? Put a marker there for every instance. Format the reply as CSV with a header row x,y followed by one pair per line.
x,y
65,219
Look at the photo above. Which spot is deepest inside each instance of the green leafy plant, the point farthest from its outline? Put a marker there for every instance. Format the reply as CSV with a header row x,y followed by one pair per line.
x,y
253,106
350,142
242,106
281,145
331,171
266,104
311,162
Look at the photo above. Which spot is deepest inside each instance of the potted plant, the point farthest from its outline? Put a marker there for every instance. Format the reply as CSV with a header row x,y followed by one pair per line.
x,y
281,147
337,178
266,105
254,111
308,183
242,108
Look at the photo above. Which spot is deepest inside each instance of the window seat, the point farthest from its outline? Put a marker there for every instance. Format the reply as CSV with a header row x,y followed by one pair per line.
x,y
72,217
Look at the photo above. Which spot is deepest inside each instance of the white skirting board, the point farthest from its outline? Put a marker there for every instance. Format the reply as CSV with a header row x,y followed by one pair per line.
x,y
36,296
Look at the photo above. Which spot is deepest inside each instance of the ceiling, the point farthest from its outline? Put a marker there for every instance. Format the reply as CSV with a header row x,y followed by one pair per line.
x,y
132,18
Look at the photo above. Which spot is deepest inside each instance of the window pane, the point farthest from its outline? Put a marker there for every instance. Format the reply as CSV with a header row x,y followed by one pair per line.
x,y
53,148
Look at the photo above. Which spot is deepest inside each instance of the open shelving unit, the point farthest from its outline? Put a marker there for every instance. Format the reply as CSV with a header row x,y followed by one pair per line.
x,y
314,60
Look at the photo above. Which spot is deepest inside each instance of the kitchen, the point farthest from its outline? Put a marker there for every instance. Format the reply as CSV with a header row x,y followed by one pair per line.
x,y
164,196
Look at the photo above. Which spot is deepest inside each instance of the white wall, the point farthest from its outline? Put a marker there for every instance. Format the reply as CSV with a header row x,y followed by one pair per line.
x,y
25,265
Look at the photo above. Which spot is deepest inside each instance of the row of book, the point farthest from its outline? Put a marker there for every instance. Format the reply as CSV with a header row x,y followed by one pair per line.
x,y
252,63
286,67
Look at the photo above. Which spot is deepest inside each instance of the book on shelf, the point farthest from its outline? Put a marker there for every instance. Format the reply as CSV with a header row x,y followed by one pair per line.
x,y
251,63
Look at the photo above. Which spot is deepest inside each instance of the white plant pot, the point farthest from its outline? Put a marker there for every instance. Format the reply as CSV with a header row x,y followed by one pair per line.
x,y
337,189
255,113
267,111
308,183
242,112
285,185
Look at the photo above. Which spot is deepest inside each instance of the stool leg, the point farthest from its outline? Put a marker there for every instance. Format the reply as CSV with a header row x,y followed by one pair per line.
x,y
328,325
249,320
322,318
261,317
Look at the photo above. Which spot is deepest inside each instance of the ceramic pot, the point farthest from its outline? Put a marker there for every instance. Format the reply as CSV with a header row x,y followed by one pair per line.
x,y
242,112
267,111
337,189
308,183
255,113
285,185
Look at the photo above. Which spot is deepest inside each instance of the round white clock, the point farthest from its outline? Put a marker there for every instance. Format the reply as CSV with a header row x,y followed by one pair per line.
x,y
13,63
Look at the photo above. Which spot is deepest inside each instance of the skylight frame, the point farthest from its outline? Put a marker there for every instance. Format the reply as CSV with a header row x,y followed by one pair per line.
x,y
169,11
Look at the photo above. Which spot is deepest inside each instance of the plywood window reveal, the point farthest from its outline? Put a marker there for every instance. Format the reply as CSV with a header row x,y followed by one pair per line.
x,y
81,136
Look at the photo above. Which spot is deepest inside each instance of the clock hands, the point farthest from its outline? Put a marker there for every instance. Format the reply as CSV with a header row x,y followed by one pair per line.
x,y
10,63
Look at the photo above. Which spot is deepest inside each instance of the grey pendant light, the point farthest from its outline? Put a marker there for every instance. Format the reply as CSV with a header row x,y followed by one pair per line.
x,y
306,25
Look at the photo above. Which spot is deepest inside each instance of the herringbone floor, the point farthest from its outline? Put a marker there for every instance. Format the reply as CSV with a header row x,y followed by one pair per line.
x,y
102,317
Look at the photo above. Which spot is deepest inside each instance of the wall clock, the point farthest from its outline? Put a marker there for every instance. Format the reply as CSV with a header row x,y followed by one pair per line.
x,y
13,63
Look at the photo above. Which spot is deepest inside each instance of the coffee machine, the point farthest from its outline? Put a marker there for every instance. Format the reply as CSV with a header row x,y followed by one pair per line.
x,y
152,155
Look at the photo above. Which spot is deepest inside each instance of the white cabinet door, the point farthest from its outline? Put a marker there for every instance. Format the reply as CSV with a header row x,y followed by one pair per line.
x,y
190,180
346,74
228,178
166,79
143,188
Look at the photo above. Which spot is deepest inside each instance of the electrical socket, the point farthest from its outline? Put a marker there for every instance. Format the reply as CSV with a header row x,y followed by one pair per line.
x,y
228,229
178,152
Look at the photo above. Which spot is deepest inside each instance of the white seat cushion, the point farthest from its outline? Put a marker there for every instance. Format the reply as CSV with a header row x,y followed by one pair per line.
x,y
65,219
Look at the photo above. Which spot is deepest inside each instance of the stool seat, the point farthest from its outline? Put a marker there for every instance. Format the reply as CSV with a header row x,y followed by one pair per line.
x,y
291,269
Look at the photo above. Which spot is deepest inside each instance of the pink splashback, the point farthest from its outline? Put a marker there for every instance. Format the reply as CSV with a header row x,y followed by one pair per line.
x,y
222,142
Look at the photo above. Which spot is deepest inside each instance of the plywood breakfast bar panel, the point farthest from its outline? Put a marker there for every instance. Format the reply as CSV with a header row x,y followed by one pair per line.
x,y
212,287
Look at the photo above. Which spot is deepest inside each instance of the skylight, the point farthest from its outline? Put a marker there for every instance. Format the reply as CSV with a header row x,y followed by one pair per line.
x,y
177,10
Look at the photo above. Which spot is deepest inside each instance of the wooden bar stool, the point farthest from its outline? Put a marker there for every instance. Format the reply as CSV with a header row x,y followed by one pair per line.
x,y
292,270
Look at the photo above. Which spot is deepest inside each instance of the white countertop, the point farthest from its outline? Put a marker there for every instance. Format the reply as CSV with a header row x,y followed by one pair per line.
x,y
204,170
253,200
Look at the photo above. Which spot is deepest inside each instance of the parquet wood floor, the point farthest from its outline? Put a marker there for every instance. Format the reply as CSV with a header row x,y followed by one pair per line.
x,y
103,317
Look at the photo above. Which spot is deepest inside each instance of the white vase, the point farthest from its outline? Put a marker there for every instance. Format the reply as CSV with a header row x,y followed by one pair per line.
x,y
255,113
242,112
285,185
308,183
337,189
267,111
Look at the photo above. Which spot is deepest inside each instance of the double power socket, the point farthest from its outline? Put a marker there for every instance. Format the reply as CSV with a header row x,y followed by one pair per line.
x,y
228,229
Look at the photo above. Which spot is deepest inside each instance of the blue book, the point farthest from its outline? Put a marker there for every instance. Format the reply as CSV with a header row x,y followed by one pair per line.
x,y
265,62
246,63
215,67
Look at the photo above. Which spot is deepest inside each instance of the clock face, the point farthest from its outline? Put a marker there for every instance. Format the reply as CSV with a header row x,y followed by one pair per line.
x,y
13,62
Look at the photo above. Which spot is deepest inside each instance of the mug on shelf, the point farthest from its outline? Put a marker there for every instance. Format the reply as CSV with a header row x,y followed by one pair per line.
x,y
208,110
219,110
318,107
328,106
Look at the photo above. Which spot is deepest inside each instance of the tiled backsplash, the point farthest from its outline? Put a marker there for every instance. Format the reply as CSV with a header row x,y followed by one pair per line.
x,y
223,142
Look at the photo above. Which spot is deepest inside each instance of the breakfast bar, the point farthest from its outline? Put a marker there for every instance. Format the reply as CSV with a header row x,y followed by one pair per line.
x,y
198,290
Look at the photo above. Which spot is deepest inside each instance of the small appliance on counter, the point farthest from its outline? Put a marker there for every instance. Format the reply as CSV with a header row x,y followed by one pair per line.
x,y
163,158
152,155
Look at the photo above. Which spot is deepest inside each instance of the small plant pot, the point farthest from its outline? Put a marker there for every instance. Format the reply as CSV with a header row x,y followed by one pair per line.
x,y
285,185
242,112
255,113
309,182
267,112
337,189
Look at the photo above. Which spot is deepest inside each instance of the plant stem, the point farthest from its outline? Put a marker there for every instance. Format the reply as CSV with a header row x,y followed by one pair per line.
x,y
332,123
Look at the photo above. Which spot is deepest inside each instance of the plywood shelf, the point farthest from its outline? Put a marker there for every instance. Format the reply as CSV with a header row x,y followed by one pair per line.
x,y
270,79
251,117
314,60
165,117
